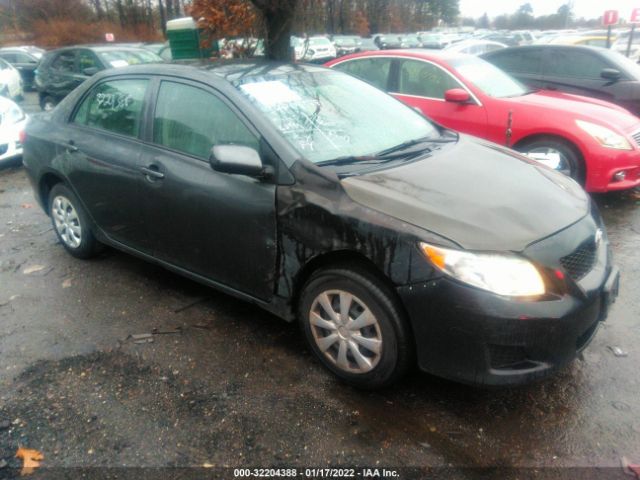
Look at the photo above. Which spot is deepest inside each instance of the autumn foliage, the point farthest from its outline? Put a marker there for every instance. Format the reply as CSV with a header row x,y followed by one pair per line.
x,y
225,18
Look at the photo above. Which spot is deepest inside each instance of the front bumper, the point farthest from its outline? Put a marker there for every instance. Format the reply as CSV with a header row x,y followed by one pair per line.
x,y
478,338
603,165
473,336
10,146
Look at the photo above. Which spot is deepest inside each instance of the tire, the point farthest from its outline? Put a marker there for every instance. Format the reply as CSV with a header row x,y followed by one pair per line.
x,y
48,103
389,344
574,165
71,224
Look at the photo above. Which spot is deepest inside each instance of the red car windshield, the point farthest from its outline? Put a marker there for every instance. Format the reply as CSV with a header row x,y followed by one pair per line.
x,y
488,78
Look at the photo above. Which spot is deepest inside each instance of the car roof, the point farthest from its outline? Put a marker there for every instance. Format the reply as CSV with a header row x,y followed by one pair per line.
x,y
229,70
419,53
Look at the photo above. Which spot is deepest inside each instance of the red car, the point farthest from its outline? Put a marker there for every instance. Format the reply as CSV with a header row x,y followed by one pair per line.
x,y
595,142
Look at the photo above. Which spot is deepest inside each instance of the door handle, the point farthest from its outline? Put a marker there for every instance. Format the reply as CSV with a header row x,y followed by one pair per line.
x,y
71,146
152,172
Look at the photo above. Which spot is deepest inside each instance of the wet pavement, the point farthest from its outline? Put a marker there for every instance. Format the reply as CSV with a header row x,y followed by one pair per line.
x,y
222,383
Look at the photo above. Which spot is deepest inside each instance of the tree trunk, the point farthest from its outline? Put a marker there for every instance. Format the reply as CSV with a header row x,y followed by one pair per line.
x,y
278,45
121,15
163,18
278,18
170,14
98,6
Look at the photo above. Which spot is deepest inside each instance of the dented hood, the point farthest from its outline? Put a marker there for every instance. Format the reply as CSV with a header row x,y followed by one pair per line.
x,y
479,195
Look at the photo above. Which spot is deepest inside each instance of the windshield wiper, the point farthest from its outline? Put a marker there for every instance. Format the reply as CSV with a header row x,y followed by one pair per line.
x,y
417,141
371,159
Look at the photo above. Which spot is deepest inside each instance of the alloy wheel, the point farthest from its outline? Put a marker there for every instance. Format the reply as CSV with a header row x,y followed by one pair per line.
x,y
552,158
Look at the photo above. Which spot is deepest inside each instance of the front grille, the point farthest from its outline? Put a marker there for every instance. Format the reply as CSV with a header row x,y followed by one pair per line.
x,y
581,261
636,137
4,148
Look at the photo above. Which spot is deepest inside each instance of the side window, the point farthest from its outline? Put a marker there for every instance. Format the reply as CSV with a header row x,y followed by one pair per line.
x,y
114,106
372,70
23,58
528,61
87,59
9,57
574,64
192,120
64,62
4,65
424,80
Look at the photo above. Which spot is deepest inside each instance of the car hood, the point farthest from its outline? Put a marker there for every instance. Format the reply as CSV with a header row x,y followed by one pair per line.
x,y
477,194
584,108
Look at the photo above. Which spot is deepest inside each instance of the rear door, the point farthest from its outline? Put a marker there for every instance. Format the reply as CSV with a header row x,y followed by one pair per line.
x,y
422,85
217,225
577,71
101,151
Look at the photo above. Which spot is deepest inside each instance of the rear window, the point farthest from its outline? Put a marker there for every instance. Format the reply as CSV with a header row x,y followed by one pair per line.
x,y
114,106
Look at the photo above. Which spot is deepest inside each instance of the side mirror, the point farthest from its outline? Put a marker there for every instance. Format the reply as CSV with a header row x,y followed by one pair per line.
x,y
236,159
457,95
610,74
91,71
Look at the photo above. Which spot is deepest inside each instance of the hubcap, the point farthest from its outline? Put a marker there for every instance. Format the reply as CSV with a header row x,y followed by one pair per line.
x,y
48,106
346,331
66,221
552,158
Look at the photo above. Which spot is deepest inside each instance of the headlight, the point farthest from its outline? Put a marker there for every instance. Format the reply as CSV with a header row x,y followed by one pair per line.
x,y
13,114
504,274
604,136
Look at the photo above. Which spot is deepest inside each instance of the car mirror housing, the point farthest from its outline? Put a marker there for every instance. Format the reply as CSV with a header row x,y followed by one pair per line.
x,y
236,159
610,74
90,71
457,95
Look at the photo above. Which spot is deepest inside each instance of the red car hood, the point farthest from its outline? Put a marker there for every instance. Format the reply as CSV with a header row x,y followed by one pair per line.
x,y
584,108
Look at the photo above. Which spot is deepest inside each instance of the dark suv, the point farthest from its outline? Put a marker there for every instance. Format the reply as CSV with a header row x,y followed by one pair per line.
x,y
60,71
582,70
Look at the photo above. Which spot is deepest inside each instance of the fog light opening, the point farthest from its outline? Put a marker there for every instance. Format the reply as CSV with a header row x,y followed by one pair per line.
x,y
619,176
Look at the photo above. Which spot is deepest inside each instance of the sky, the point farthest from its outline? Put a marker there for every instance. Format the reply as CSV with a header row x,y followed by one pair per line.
x,y
581,8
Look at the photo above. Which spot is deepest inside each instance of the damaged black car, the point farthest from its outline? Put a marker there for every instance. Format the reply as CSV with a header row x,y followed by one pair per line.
x,y
391,240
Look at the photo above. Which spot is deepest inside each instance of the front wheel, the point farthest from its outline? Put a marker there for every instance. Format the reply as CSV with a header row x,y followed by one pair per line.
x,y
355,327
556,154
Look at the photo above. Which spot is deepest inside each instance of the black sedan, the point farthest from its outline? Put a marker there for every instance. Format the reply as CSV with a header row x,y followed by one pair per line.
x,y
582,70
326,201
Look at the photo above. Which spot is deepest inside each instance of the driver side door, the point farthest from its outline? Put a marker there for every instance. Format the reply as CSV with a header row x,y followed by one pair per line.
x,y
422,85
216,225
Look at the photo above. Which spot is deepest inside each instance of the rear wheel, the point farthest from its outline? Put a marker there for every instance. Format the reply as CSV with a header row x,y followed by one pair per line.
x,y
70,223
557,154
354,326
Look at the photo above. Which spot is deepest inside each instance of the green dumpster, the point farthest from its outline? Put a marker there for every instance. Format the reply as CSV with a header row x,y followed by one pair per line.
x,y
184,38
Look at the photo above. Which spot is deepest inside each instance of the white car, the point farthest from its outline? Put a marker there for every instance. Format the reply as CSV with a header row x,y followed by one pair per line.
x,y
12,123
10,81
314,49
